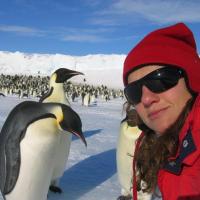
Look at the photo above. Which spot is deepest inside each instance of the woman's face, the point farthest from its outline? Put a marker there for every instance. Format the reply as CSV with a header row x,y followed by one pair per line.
x,y
160,110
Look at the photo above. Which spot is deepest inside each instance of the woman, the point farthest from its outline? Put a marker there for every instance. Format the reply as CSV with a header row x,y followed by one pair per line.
x,y
162,81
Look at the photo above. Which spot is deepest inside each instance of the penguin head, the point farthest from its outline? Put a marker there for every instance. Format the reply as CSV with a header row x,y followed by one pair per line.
x,y
63,74
71,122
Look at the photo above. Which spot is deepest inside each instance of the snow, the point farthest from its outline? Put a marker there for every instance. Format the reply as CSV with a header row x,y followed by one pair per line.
x,y
98,68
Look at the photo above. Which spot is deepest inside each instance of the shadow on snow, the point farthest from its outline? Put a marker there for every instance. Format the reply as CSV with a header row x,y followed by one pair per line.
x,y
87,174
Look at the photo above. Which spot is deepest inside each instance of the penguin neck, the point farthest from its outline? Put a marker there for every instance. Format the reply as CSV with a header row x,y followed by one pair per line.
x,y
57,111
58,94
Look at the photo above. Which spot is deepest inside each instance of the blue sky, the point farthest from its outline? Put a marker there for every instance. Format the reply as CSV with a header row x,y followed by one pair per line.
x,y
81,27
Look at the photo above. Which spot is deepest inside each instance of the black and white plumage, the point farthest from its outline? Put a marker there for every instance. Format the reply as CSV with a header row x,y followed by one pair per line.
x,y
27,148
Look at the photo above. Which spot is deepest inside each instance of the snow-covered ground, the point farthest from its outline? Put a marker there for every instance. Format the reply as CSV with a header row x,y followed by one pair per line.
x,y
90,172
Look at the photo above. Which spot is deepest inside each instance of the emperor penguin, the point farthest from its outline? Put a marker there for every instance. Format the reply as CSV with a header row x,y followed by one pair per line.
x,y
57,94
28,149
128,134
86,99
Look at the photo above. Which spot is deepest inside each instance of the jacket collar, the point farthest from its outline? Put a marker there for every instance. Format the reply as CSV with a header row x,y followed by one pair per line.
x,y
189,140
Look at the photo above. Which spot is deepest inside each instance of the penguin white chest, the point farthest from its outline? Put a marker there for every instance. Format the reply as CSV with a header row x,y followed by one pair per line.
x,y
86,100
62,154
38,151
125,149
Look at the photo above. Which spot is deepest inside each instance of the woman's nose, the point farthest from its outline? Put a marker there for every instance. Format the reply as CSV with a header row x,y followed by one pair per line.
x,y
148,97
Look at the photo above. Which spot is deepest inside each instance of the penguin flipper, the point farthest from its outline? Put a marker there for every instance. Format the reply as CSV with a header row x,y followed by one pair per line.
x,y
12,133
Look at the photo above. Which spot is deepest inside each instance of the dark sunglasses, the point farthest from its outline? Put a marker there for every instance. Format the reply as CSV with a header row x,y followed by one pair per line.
x,y
157,81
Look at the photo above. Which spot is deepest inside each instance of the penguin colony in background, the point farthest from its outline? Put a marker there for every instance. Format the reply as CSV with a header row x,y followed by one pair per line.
x,y
57,94
128,134
28,149
24,86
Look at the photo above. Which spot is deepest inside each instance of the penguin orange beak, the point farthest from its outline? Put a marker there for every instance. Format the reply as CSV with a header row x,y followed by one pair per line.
x,y
80,135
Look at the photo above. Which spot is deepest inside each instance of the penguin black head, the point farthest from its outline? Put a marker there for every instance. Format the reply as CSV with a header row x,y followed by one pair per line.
x,y
63,74
71,122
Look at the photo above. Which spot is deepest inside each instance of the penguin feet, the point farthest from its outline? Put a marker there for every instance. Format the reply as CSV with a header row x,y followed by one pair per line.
x,y
55,189
122,197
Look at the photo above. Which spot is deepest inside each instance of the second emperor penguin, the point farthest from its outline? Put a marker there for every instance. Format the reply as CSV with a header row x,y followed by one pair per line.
x,y
57,94
129,133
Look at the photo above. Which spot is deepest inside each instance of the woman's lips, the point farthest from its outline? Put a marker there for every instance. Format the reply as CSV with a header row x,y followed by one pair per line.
x,y
155,114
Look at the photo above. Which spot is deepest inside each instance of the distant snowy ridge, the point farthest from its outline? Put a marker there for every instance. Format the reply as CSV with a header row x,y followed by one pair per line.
x,y
98,68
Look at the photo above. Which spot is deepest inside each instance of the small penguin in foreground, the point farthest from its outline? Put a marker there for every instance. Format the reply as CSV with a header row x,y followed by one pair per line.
x,y
129,133
57,94
28,148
